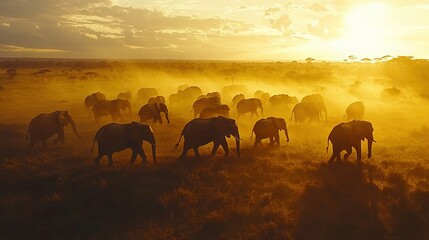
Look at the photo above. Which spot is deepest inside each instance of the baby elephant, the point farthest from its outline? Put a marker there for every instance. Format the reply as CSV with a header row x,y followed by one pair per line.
x,y
269,128
116,137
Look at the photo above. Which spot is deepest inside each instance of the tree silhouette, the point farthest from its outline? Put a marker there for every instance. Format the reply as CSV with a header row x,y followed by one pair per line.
x,y
41,73
309,59
91,75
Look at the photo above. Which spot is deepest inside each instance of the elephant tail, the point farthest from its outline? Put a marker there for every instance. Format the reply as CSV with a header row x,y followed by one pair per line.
x,y
93,141
327,147
177,144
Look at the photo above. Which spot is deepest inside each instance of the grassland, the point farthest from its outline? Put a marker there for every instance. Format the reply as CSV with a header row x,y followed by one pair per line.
x,y
288,192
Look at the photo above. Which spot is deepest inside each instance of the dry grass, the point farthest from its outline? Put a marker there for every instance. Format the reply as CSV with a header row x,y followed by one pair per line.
x,y
270,193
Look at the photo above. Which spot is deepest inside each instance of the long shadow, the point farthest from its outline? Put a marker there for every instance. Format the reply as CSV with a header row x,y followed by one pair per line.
x,y
342,204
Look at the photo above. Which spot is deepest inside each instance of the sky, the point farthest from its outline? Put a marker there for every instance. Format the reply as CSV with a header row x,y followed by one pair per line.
x,y
214,29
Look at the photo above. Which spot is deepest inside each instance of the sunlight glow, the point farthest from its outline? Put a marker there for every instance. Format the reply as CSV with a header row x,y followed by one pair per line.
x,y
365,32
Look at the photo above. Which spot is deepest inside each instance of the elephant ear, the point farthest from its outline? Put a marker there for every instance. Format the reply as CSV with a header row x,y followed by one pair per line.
x,y
63,117
358,129
158,106
221,126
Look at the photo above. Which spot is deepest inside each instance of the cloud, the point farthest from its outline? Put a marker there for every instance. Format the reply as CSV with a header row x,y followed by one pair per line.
x,y
12,48
328,27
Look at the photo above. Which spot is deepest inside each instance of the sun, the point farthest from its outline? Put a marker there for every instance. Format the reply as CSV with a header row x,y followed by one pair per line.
x,y
364,30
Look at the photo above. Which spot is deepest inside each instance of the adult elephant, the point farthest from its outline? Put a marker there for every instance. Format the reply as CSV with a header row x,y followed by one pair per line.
x,y
344,136
355,111
44,125
282,100
265,97
215,110
90,100
124,96
318,101
210,95
153,111
237,98
269,128
202,103
157,99
176,99
258,94
144,94
110,107
303,111
191,93
115,137
249,105
199,132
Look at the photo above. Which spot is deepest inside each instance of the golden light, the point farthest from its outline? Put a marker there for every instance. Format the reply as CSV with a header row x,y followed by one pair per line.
x,y
364,30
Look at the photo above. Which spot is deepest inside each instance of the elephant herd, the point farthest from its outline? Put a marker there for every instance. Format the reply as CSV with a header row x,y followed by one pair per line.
x,y
211,122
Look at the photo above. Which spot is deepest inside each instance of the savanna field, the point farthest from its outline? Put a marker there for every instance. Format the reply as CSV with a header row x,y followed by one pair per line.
x,y
285,192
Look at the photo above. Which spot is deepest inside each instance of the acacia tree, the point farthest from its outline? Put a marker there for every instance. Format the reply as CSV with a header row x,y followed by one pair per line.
x,y
41,73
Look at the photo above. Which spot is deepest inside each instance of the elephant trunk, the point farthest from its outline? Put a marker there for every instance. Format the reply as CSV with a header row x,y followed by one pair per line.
x,y
73,125
262,110
237,142
370,141
287,135
154,154
166,117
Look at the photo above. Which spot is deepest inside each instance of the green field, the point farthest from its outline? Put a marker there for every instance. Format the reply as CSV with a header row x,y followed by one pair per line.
x,y
289,192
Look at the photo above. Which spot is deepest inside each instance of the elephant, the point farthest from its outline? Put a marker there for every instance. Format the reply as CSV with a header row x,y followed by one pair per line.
x,y
209,95
258,94
237,98
199,132
269,128
249,105
90,100
158,99
153,111
182,87
202,103
265,97
44,125
282,100
124,95
144,94
112,107
115,137
355,111
305,110
344,136
317,99
191,94
177,98
231,90
215,110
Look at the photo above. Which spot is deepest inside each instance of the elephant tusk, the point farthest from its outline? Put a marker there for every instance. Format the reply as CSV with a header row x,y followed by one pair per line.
x,y
237,138
374,140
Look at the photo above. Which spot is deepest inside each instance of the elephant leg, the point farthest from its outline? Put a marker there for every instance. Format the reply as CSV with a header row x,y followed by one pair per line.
x,y
185,151
109,156
257,142
159,118
196,152
215,147
142,154
277,139
335,154
60,136
133,156
348,153
271,140
224,145
358,152
97,159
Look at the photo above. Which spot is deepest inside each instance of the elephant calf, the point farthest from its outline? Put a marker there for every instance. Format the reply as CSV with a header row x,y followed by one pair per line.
x,y
269,128
43,126
344,136
116,137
